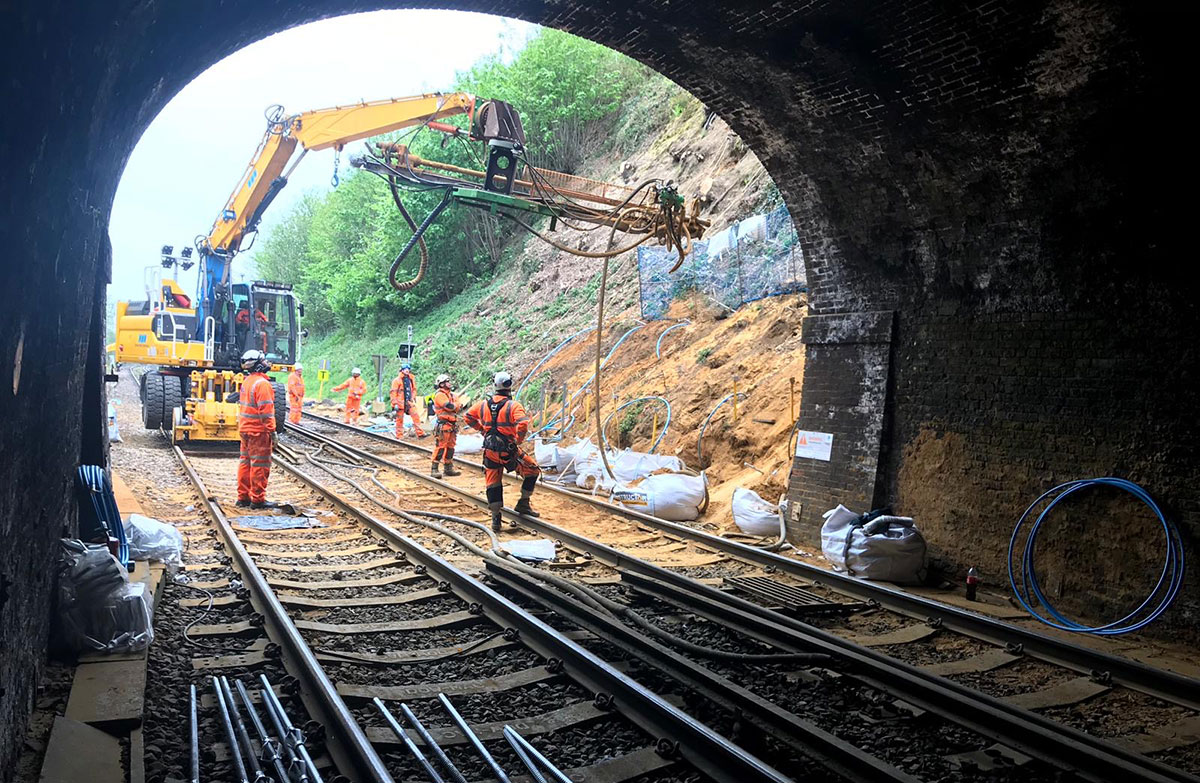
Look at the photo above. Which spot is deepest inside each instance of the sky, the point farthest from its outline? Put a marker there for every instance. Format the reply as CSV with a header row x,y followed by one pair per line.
x,y
205,136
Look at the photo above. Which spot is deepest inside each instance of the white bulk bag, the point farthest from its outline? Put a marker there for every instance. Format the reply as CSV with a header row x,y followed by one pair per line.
x,y
677,497
753,515
627,466
545,454
895,554
468,443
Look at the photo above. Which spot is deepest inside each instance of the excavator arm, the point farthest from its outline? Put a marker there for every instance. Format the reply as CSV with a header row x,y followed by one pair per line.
x,y
318,130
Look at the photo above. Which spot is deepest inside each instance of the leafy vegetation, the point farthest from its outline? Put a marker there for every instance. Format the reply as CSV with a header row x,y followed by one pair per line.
x,y
336,249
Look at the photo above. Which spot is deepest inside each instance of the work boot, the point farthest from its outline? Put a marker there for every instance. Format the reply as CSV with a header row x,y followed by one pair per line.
x,y
243,503
496,516
450,470
523,507
265,504
421,433
433,471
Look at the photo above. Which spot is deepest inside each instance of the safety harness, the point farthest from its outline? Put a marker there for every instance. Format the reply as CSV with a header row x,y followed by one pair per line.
x,y
496,442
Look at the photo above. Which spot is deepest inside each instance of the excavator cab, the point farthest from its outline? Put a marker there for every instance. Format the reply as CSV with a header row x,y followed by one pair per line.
x,y
262,316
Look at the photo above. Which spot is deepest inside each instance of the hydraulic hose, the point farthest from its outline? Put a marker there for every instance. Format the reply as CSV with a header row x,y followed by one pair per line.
x,y
703,427
582,388
1028,591
585,594
627,403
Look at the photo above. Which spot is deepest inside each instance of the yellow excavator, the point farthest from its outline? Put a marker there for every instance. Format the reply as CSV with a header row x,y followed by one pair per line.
x,y
196,346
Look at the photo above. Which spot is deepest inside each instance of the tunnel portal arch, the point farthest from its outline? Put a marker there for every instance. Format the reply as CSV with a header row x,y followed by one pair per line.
x,y
976,187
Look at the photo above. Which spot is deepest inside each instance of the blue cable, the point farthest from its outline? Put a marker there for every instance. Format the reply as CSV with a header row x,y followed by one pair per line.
x,y
1028,590
661,433
95,482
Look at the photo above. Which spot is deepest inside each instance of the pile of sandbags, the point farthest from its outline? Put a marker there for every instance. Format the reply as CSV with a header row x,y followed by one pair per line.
x,y
626,466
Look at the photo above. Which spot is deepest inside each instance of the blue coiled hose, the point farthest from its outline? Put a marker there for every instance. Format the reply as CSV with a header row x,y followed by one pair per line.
x,y
1028,591
95,483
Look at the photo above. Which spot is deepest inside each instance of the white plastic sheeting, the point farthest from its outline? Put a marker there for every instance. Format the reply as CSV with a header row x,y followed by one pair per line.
x,y
677,497
753,515
114,432
894,554
150,539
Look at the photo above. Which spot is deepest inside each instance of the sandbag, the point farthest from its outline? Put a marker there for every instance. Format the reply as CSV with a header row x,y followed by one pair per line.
x,y
753,515
468,443
678,497
896,553
150,539
627,466
567,459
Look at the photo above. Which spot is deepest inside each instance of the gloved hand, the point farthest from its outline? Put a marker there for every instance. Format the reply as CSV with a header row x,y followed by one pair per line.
x,y
274,439
396,408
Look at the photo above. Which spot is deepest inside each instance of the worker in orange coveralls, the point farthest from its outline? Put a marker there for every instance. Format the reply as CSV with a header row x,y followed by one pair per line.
x,y
256,426
356,387
242,320
504,425
295,392
445,430
404,401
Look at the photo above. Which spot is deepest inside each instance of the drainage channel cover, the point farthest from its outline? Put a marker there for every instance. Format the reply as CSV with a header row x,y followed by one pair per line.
x,y
788,597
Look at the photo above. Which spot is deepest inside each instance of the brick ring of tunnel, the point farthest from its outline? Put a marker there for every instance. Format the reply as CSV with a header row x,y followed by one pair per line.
x,y
977,187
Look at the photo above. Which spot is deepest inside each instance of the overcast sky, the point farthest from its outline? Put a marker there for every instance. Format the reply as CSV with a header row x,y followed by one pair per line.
x,y
191,157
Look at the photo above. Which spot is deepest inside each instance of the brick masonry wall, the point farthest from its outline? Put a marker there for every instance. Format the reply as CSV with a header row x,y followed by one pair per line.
x,y
949,162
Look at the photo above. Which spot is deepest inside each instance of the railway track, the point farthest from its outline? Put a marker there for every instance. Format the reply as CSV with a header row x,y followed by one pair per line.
x,y
360,612
676,578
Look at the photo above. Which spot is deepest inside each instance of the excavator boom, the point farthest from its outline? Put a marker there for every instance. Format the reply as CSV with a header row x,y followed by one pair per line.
x,y
318,130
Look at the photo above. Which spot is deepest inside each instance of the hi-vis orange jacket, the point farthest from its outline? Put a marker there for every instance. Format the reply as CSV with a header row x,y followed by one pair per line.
x,y
445,406
357,387
295,387
256,405
511,419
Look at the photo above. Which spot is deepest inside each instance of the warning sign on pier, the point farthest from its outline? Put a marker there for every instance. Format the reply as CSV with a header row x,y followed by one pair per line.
x,y
814,445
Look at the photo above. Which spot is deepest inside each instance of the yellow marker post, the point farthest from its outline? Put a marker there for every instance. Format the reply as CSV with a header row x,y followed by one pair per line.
x,y
654,429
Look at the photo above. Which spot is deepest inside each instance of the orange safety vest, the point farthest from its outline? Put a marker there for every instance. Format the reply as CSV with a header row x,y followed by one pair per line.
x,y
445,406
357,387
256,405
295,386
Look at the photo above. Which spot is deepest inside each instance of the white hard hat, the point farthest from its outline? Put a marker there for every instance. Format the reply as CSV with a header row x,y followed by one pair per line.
x,y
443,378
298,367
255,360
503,382
356,371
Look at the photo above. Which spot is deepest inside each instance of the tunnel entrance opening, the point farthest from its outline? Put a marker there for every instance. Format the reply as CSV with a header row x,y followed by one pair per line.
x,y
962,179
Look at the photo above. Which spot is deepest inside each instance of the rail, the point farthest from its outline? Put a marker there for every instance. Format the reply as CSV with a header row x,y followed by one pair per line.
x,y
1060,746
677,732
1159,683
351,750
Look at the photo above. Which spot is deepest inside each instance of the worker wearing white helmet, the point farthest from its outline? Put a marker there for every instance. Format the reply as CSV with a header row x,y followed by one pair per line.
x,y
445,431
504,424
355,388
295,393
